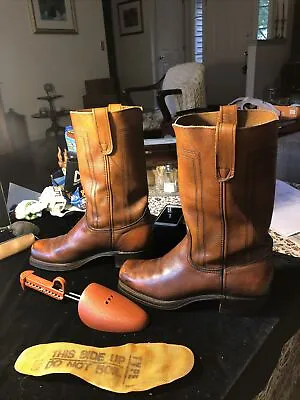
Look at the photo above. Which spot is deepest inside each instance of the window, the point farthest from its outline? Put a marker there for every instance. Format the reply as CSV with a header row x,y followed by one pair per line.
x,y
272,19
198,31
263,19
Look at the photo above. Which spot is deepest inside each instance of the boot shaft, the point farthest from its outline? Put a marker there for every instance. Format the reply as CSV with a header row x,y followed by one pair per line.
x,y
226,164
112,164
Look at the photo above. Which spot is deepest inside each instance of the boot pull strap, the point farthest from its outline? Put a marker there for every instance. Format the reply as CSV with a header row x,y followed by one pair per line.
x,y
115,107
225,143
103,125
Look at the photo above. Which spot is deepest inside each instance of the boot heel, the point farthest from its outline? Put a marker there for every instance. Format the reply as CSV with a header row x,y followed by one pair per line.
x,y
122,257
242,305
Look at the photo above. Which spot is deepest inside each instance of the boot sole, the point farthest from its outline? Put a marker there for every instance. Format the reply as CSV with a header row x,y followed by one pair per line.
x,y
227,304
120,258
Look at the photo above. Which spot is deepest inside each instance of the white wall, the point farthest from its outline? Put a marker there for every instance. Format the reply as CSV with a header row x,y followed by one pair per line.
x,y
134,53
29,60
5,142
265,62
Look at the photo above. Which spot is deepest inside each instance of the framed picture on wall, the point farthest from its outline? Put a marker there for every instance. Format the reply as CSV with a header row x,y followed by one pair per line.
x,y
130,17
53,16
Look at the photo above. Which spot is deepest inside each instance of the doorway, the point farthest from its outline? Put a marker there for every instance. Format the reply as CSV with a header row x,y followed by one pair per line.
x,y
229,27
169,35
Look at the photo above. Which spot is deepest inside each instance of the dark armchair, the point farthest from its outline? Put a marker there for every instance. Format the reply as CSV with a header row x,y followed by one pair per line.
x,y
181,90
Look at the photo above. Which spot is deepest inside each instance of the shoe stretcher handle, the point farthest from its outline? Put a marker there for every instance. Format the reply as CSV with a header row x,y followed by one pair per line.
x,y
16,245
54,289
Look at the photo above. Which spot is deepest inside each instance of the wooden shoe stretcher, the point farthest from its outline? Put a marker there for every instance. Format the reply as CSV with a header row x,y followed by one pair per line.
x,y
99,307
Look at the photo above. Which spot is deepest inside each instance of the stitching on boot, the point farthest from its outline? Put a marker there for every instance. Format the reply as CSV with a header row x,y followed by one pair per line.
x,y
221,235
146,211
204,267
223,186
260,257
97,129
87,151
110,199
196,157
125,185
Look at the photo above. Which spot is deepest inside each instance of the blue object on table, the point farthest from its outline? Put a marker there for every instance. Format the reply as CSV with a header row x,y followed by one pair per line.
x,y
70,140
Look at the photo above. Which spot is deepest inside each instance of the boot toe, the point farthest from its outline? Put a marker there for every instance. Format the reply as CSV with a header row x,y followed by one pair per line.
x,y
132,273
37,249
40,250
128,271
136,274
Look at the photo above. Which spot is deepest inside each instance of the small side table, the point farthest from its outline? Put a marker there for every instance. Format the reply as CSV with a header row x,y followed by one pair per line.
x,y
52,114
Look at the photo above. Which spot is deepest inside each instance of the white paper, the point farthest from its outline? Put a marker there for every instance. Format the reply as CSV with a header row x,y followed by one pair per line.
x,y
164,140
286,214
169,187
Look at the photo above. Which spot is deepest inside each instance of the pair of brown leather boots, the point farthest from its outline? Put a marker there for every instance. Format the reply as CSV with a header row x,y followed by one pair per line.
x,y
226,165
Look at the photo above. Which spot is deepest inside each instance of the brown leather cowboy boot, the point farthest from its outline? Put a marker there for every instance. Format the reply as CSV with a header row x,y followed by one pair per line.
x,y
226,165
112,167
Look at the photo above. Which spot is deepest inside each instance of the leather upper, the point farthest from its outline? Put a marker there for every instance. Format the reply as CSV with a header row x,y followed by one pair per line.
x,y
233,216
226,168
111,158
111,164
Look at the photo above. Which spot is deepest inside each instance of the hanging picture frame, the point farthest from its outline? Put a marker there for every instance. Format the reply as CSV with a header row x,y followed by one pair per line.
x,y
53,16
130,17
